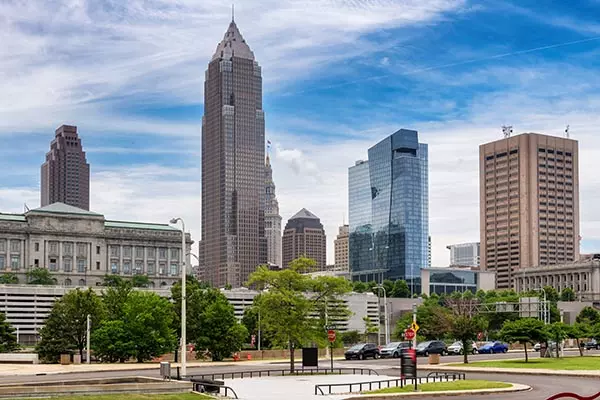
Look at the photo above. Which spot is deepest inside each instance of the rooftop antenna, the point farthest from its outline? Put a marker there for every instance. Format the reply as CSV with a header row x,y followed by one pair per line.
x,y
567,132
232,12
507,131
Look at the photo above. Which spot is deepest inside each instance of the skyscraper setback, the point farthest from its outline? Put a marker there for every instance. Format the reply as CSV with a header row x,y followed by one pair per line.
x,y
272,218
233,163
66,173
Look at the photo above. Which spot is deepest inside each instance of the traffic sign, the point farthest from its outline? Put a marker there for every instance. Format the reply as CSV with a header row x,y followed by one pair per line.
x,y
480,336
409,334
414,326
331,335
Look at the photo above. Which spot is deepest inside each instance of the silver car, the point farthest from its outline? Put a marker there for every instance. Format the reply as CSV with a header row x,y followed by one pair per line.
x,y
457,348
394,349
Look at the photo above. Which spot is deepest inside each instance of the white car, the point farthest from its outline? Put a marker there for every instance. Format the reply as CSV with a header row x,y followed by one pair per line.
x,y
457,348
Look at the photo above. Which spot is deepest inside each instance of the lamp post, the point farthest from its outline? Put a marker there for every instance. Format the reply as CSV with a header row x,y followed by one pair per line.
x,y
385,319
544,307
183,298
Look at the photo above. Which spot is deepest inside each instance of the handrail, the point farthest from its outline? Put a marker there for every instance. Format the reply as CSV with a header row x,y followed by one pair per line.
x,y
282,372
443,374
567,395
386,383
227,388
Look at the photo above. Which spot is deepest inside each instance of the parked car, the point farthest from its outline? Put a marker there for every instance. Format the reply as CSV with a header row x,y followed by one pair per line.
x,y
493,347
394,349
457,348
431,347
362,351
551,346
591,345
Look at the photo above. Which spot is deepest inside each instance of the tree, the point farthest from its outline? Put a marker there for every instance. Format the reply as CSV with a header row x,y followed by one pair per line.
x,y
551,294
325,292
557,331
350,338
115,296
40,276
589,316
524,330
567,294
359,287
370,327
401,289
66,326
148,320
9,278
112,281
464,322
431,324
140,281
8,338
578,331
111,342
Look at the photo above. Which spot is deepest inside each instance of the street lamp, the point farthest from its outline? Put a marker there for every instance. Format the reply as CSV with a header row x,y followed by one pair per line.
x,y
544,307
385,321
183,298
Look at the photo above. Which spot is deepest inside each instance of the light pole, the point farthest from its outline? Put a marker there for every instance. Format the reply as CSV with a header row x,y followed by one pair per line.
x,y
183,298
385,319
544,308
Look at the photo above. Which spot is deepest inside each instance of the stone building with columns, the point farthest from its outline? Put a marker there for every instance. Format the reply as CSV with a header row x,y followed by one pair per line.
x,y
80,247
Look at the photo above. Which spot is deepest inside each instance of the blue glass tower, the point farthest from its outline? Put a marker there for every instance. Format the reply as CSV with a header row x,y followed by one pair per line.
x,y
389,211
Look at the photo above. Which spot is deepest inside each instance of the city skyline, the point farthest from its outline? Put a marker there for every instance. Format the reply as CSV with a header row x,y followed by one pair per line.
x,y
140,106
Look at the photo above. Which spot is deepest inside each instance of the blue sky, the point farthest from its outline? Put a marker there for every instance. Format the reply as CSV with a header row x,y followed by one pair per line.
x,y
338,76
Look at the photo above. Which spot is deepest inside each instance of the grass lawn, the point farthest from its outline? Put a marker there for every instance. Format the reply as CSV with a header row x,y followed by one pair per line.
x,y
456,385
179,396
565,363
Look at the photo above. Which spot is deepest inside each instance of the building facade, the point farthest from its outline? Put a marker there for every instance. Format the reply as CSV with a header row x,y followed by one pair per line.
x,y
341,249
272,218
304,236
233,164
529,204
389,211
450,280
65,175
80,247
465,254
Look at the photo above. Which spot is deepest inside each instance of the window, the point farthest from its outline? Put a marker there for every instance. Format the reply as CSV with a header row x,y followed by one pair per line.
x,y
162,253
151,252
114,251
53,248
68,282
162,269
82,282
2,245
2,263
36,263
174,254
174,269
139,267
114,267
139,252
36,246
97,249
81,265
151,270
15,246
68,249
126,267
97,265
127,251
67,265
15,262
52,265
81,250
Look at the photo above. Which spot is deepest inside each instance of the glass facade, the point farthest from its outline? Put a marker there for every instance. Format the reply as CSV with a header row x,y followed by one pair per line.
x,y
389,210
446,282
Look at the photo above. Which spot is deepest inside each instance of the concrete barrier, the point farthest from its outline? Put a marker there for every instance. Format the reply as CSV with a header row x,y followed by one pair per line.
x,y
19,358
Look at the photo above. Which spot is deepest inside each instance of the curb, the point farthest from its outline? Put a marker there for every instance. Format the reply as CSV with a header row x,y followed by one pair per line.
x,y
513,371
516,387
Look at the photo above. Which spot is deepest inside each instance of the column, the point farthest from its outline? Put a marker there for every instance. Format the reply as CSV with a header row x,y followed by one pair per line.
x,y
59,261
120,260
168,261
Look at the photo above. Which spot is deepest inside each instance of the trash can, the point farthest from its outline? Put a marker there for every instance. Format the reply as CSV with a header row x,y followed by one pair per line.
x,y
434,359
310,357
65,359
76,359
165,370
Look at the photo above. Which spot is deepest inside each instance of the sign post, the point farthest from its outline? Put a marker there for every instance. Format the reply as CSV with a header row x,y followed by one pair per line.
x,y
331,337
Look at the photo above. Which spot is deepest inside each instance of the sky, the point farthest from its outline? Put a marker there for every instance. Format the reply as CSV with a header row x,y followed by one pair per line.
x,y
339,75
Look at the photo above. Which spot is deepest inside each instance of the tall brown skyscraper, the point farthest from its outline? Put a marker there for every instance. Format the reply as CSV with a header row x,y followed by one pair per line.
x,y
66,173
529,204
304,236
233,164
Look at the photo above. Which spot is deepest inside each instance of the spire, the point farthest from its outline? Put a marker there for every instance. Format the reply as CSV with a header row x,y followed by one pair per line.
x,y
233,44
268,162
233,12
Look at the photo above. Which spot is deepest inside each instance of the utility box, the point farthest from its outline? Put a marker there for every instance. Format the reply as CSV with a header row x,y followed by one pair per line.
x,y
310,357
165,370
76,359
65,359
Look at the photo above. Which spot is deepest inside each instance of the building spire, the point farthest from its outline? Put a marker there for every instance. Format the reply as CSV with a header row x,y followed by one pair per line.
x,y
232,12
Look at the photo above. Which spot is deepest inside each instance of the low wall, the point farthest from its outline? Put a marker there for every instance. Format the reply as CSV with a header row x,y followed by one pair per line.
x,y
19,358
257,355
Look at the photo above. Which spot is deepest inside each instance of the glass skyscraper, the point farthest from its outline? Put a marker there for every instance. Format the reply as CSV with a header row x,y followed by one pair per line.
x,y
389,211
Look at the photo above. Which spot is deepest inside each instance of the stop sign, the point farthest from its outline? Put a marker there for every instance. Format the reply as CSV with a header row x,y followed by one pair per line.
x,y
331,335
409,334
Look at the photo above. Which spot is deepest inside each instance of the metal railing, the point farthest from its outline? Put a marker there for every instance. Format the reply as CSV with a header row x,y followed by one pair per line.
x,y
282,372
199,385
386,383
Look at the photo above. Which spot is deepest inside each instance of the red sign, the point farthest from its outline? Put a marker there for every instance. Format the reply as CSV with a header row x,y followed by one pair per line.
x,y
409,334
331,335
480,336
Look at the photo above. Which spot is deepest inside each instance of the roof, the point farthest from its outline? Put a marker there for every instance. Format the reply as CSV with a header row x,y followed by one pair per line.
x,y
139,225
233,44
304,213
12,217
61,208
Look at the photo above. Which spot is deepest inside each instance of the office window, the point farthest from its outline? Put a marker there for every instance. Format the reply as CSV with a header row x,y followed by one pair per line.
x,y
162,253
36,246
15,246
139,252
68,282
174,254
68,249
127,251
81,250
151,252
97,249
126,267
114,251
114,267
36,263
82,282
52,266
53,247
2,245
162,269
81,267
97,265
151,270
15,262
139,267
67,265
174,270
2,263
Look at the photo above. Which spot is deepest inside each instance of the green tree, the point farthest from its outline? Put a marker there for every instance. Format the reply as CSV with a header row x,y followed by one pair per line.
x,y
567,294
551,294
524,330
370,327
558,332
115,296
66,326
359,287
463,321
9,278
430,317
578,331
113,281
350,338
400,289
111,342
148,320
40,276
140,281
589,316
8,338
325,293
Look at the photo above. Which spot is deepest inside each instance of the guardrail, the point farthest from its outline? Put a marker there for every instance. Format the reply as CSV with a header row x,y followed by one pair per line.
x,y
282,372
386,383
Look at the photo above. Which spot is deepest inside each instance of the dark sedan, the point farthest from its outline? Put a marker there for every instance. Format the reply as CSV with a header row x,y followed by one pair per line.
x,y
362,351
431,347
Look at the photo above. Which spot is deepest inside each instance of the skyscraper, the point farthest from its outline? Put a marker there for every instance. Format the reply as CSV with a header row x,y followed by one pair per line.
x,y
529,204
66,173
304,236
341,249
465,254
233,163
389,211
272,218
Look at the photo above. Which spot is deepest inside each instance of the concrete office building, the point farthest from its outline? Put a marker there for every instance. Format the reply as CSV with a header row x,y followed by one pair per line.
x,y
389,211
304,236
65,176
341,249
464,254
80,247
529,204
272,218
233,164
450,280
